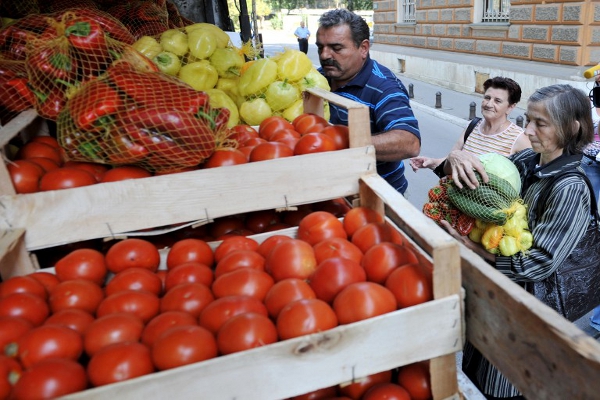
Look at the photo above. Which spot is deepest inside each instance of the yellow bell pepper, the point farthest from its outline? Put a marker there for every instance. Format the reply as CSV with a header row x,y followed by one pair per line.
x,y
313,79
200,75
491,237
255,111
222,38
202,43
294,110
230,87
228,62
525,240
168,63
175,41
281,94
258,76
148,46
293,65
220,99
508,246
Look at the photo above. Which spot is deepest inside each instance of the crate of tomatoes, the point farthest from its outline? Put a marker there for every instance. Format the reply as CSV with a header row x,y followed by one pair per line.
x,y
361,306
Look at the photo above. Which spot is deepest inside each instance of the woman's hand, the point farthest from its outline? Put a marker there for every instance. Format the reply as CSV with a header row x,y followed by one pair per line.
x,y
468,243
417,163
464,165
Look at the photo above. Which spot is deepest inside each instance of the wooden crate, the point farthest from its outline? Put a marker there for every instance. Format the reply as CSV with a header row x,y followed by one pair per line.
x,y
431,331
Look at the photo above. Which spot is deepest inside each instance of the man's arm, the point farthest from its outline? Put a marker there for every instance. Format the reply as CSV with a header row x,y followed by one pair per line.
x,y
396,145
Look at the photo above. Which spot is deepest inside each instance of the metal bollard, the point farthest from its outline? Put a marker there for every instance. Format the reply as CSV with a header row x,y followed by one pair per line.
x,y
520,120
411,95
472,107
438,100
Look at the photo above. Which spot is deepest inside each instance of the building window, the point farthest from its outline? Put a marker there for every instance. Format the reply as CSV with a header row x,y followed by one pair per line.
x,y
406,11
496,11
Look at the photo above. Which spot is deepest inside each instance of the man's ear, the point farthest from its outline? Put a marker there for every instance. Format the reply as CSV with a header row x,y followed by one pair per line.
x,y
364,48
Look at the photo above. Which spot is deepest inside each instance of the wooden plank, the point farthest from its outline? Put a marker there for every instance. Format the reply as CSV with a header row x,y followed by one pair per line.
x,y
543,354
108,209
14,258
16,125
300,365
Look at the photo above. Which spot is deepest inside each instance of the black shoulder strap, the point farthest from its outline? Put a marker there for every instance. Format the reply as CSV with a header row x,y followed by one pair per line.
x,y
557,177
470,127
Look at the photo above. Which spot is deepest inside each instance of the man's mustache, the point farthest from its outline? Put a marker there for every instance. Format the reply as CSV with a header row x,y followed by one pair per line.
x,y
330,63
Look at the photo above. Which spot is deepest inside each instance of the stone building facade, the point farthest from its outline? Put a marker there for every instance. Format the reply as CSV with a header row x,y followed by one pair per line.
x,y
549,39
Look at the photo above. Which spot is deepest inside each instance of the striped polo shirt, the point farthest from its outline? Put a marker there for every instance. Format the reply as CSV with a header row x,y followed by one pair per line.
x,y
389,108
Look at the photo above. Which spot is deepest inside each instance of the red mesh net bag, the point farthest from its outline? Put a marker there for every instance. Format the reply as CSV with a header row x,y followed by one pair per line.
x,y
142,18
16,95
149,119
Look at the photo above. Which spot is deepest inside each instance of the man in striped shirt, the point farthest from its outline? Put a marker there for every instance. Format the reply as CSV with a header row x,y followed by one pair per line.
x,y
343,47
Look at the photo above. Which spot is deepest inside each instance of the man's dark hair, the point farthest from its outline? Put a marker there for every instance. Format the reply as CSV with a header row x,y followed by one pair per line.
x,y
358,26
500,82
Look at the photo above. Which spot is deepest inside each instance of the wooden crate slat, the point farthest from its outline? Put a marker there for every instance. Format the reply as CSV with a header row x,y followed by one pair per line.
x,y
103,210
540,352
299,365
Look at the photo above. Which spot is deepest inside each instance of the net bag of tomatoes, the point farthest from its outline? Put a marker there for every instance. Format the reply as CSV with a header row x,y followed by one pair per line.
x,y
144,118
62,50
439,208
501,218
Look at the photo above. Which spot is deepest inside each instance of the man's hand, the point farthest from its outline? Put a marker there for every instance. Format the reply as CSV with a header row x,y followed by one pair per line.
x,y
463,166
417,163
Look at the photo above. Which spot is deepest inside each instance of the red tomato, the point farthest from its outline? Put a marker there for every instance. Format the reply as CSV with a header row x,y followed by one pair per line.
x,y
409,285
334,274
119,362
234,243
49,140
132,253
47,279
243,281
305,316
314,142
50,379
270,151
39,149
358,217
86,264
10,371
337,247
139,279
225,157
259,221
110,329
72,318
65,178
189,272
288,141
164,321
25,175
382,258
225,225
98,170
338,207
265,247
12,328
241,133
253,142
416,380
239,259
371,234
286,291
320,225
246,150
22,284
277,227
339,134
24,305
282,135
307,122
144,305
271,125
182,345
77,293
186,250
363,300
216,313
293,217
388,391
125,172
328,393
246,331
356,389
292,258
46,163
48,341
190,297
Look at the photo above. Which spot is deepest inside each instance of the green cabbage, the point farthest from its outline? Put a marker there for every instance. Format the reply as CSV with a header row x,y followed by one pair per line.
x,y
503,168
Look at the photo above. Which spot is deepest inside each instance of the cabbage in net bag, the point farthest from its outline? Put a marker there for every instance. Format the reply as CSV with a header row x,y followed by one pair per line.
x,y
149,119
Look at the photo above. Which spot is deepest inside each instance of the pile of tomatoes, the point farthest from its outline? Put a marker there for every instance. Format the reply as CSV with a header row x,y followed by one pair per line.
x,y
105,317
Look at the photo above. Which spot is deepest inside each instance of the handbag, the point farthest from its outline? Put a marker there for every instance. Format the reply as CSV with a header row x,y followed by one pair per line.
x,y
439,170
574,289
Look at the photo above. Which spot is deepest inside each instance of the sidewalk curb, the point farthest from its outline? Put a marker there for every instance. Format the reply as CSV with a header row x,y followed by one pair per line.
x,y
439,114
